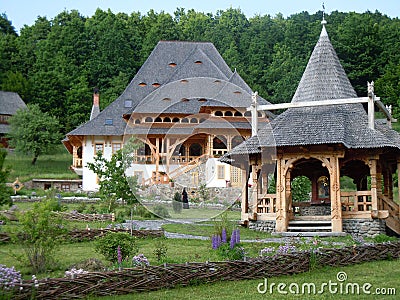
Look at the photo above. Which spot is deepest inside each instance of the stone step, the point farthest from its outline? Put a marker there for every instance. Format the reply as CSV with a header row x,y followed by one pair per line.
x,y
310,223
309,228
310,234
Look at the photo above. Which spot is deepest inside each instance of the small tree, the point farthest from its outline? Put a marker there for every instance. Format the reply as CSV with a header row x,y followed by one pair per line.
x,y
114,184
33,132
5,191
41,233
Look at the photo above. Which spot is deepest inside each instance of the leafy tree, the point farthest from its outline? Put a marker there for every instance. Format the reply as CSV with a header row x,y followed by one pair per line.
x,y
114,183
5,191
33,132
42,231
301,188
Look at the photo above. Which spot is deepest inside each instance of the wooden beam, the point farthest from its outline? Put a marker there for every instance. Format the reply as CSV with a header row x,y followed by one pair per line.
x,y
312,103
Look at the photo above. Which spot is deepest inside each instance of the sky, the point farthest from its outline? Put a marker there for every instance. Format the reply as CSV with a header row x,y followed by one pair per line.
x,y
25,12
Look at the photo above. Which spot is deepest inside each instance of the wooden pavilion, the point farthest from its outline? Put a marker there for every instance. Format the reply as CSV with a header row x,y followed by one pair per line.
x,y
325,133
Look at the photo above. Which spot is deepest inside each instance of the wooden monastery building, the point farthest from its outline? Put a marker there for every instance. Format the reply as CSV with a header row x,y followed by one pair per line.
x,y
325,133
187,108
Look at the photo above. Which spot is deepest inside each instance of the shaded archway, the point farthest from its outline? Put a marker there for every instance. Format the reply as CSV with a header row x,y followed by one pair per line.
x,y
195,149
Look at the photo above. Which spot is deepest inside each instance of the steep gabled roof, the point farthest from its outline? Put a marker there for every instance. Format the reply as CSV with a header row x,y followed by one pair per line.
x,y
10,102
323,79
169,61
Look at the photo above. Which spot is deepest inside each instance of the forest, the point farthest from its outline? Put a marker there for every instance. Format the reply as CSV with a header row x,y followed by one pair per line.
x,y
56,63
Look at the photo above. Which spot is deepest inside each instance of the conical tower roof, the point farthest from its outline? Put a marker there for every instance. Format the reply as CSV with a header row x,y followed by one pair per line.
x,y
324,77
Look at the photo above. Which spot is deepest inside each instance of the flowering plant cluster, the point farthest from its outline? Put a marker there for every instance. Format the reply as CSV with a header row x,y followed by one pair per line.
x,y
217,240
140,260
73,273
9,277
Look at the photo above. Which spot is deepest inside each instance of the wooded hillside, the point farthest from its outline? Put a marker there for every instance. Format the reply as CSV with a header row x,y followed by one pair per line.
x,y
57,63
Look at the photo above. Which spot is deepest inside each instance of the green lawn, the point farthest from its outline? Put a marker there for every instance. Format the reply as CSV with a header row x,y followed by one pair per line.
x,y
55,166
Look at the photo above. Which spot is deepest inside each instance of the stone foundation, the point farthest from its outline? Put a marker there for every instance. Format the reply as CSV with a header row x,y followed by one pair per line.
x,y
266,226
364,227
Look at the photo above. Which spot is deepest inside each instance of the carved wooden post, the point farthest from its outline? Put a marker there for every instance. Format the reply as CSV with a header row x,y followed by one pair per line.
x,y
281,209
254,194
336,204
374,184
288,196
245,201
371,105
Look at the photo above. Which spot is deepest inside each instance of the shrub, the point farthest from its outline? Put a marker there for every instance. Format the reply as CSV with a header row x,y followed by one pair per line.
x,y
161,250
176,203
161,211
108,245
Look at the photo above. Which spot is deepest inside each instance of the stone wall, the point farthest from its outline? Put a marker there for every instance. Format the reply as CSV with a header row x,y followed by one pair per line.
x,y
315,210
266,226
364,227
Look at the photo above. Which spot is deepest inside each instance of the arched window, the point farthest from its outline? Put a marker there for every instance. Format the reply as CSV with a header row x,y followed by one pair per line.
x,y
228,113
158,119
195,150
247,114
238,114
185,120
167,119
219,142
219,113
193,120
137,121
149,120
237,140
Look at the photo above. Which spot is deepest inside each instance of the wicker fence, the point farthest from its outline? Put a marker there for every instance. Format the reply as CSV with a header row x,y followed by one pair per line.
x,y
76,216
168,276
88,235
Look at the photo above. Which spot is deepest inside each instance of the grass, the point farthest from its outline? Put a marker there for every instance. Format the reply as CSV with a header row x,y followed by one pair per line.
x,y
54,166
375,273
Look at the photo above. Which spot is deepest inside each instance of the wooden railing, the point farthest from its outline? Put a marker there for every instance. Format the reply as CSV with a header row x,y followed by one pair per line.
x,y
77,162
359,201
389,205
266,204
189,166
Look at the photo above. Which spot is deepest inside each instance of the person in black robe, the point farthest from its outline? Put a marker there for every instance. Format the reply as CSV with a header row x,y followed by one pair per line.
x,y
185,199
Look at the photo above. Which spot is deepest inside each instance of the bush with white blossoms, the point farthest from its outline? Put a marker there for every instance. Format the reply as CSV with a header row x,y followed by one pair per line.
x,y
9,277
140,261
73,273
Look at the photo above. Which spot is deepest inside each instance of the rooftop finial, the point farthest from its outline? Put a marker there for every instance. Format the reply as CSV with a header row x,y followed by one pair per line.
x,y
323,22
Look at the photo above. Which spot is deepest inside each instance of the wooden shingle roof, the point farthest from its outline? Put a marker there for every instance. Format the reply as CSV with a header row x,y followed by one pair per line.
x,y
10,102
169,62
324,78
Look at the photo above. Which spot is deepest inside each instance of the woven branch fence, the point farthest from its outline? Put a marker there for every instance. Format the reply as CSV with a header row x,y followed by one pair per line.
x,y
156,277
75,216
88,235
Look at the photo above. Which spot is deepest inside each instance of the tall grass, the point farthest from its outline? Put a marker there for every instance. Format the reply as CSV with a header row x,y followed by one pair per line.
x,y
55,165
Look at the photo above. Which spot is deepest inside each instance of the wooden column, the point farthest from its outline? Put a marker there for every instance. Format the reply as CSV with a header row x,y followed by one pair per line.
x,y
374,183
167,156
254,191
157,158
281,209
288,195
336,205
245,201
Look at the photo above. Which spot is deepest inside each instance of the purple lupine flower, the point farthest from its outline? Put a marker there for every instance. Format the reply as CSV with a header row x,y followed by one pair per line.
x,y
119,255
224,239
237,236
214,242
233,239
219,241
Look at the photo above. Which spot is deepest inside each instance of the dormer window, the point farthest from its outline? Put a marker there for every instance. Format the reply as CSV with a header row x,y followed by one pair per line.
x,y
128,103
184,81
202,100
198,62
172,64
108,122
156,84
185,100
142,84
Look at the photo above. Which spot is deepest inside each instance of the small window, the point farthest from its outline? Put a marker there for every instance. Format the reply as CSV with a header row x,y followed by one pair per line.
x,y
167,99
65,187
167,119
108,122
142,84
202,100
198,62
184,99
116,147
184,81
172,64
98,148
185,120
219,113
128,103
259,114
247,114
217,81
228,114
237,92
238,114
158,119
156,84
175,120
193,120
137,121
221,172
148,120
